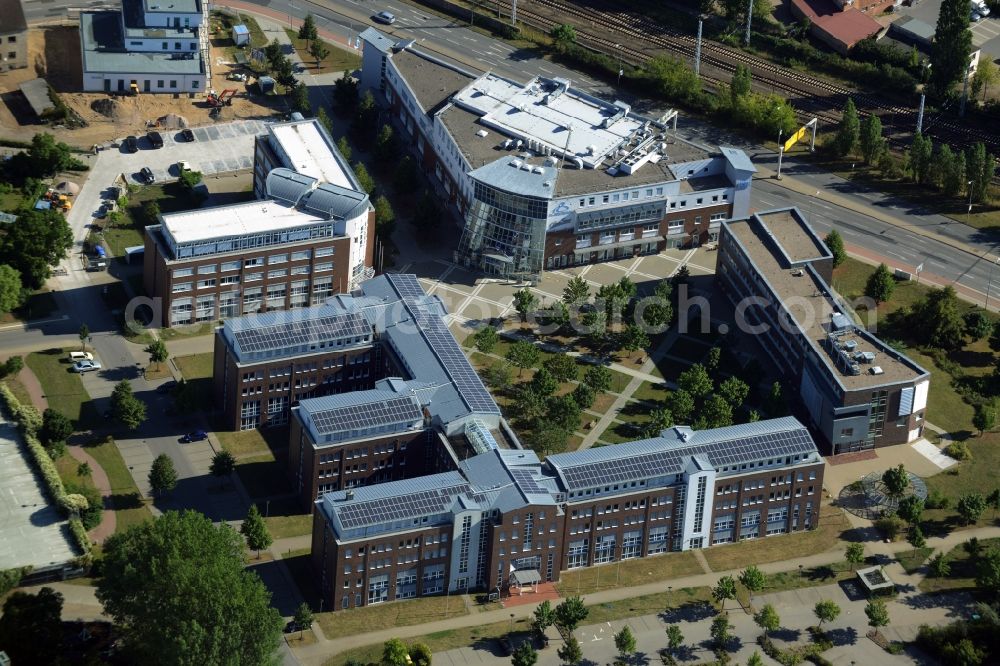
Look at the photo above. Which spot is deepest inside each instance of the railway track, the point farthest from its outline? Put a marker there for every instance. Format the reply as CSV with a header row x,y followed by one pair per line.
x,y
811,96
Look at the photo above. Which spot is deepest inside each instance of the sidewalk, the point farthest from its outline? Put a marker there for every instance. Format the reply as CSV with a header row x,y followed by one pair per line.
x,y
109,521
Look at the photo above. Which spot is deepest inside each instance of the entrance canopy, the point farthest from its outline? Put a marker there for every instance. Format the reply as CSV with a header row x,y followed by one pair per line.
x,y
526,577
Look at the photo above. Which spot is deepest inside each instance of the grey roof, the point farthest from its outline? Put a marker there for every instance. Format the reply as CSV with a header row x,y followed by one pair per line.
x,y
738,159
104,50
173,6
377,39
12,17
287,185
363,412
339,203
268,333
518,177
37,93
669,453
134,17
519,470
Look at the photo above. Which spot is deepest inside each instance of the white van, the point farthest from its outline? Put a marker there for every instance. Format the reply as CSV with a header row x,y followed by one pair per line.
x,y
80,356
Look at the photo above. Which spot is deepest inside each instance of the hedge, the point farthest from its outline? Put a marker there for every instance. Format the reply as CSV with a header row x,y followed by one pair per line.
x,y
29,421
11,578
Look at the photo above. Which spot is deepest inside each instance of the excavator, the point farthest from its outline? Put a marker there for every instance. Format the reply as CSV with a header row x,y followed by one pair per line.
x,y
225,98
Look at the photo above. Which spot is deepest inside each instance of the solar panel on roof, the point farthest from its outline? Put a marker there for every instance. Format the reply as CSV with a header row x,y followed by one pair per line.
x,y
406,284
389,509
526,480
367,415
300,332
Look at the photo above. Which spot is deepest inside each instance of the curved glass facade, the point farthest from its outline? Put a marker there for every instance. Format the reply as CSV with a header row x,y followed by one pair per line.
x,y
504,232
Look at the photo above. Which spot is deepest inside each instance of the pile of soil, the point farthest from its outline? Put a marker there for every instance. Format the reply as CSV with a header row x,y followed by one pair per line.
x,y
104,106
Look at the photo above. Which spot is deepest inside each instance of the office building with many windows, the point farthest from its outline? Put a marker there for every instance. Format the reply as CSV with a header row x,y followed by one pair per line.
x,y
307,236
854,390
543,175
501,518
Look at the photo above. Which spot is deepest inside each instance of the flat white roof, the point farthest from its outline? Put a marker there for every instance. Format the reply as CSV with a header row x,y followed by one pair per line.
x,y
309,153
236,220
544,111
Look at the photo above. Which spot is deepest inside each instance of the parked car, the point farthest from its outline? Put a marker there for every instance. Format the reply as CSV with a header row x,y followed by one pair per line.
x,y
385,17
147,175
131,144
80,356
291,627
155,139
166,387
195,436
188,135
236,76
183,165
86,366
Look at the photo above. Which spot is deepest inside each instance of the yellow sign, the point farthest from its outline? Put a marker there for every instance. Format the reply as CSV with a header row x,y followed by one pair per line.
x,y
795,137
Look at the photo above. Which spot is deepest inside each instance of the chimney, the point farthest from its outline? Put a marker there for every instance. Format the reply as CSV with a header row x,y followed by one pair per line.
x,y
349,495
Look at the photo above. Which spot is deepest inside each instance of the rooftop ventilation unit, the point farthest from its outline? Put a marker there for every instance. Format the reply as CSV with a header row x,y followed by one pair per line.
x,y
876,370
537,169
798,272
508,144
551,161
482,133
515,163
349,495
865,357
578,162
519,144
838,322
850,345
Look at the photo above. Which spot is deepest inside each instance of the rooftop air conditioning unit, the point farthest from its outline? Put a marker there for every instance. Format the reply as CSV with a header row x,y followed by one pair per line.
x,y
876,370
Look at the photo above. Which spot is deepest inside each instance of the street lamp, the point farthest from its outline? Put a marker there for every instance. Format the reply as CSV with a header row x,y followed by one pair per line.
x,y
511,624
968,186
290,8
620,71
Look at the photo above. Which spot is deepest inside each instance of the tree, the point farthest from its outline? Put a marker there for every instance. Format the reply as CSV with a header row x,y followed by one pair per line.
x,y
345,93
344,147
681,404
720,630
570,653
545,617
326,121
970,507
872,142
660,420
977,324
12,366
563,412
125,407
525,302
835,243
775,404
563,35
986,75
896,480
951,47
486,339
910,509
767,619
634,338
56,428
855,554
178,593
570,613
583,396
427,214
548,438
848,134
31,627
498,375
916,537
985,418
255,530
543,383
723,590
394,653
739,86
11,291
988,573
307,31
273,52
84,335
735,391
979,166
755,659
157,351
973,548
625,643
993,499
385,145
753,579
364,178
713,359
938,567
658,311
715,413
675,638
162,475
318,51
562,367
878,614
576,292
921,152
385,216
299,94
952,172
826,610
940,319
695,381
682,276
46,156
303,617
420,654
223,464
522,354
880,284
524,655
598,377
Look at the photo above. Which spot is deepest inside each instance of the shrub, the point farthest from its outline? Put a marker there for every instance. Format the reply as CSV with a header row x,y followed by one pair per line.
x,y
10,578
889,525
937,500
959,451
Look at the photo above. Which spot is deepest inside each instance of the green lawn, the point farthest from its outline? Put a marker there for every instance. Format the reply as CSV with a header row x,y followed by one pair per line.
x,y
282,527
337,60
180,332
650,392
912,560
130,508
63,389
171,198
264,475
257,443
386,616
17,388
628,573
963,569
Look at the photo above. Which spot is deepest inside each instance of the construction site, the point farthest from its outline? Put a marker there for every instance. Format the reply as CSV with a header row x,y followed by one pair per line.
x,y
106,117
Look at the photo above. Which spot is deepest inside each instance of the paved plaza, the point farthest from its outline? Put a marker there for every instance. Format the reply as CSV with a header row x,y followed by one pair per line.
x,y
32,532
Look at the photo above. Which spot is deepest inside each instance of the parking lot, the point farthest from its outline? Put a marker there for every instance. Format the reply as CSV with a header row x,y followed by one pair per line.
x,y
32,532
472,298
985,33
